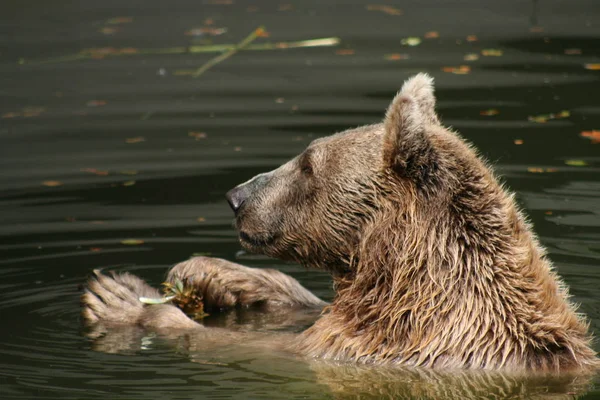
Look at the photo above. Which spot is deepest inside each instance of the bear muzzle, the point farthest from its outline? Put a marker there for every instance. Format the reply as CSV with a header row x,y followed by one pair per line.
x,y
239,195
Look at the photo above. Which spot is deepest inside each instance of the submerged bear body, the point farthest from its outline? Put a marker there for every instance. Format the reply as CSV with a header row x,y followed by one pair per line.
x,y
433,263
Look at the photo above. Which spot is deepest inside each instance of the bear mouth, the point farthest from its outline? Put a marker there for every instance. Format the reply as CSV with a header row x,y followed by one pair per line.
x,y
254,241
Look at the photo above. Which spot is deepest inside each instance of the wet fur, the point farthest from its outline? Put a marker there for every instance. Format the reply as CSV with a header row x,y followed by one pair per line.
x,y
433,263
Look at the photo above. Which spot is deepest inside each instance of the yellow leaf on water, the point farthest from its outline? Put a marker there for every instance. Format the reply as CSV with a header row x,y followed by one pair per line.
x,y
535,170
52,183
490,112
132,242
411,41
137,139
472,38
576,163
96,103
108,30
518,142
471,57
491,52
385,9
200,219
197,135
460,70
592,67
128,183
543,118
432,35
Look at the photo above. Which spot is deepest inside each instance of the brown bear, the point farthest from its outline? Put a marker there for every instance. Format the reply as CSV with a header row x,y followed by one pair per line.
x,y
433,263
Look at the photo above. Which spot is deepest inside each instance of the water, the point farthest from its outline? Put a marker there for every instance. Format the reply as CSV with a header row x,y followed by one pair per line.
x,y
95,151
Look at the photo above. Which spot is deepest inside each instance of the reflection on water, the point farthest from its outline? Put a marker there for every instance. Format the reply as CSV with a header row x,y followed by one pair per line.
x,y
98,151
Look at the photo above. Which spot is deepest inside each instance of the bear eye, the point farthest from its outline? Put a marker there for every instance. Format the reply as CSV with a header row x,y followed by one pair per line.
x,y
305,165
307,169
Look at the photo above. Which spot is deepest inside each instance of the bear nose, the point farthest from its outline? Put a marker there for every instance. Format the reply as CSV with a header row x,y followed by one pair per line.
x,y
236,197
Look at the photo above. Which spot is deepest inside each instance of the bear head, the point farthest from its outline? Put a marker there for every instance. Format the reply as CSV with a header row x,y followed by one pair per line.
x,y
316,208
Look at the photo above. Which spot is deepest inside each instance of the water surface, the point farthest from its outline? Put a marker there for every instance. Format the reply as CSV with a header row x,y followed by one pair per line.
x,y
115,142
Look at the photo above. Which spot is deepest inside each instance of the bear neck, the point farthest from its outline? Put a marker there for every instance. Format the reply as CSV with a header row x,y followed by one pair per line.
x,y
451,285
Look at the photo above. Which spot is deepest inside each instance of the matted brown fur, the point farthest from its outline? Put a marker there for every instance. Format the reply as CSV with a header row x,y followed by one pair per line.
x,y
433,263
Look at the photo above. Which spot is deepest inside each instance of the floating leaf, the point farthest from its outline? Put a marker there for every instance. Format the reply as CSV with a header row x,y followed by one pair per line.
x,y
137,139
396,56
592,67
460,70
471,57
95,249
385,9
472,38
52,183
576,163
518,142
432,35
535,170
237,148
200,219
344,52
95,171
280,100
132,242
128,183
573,52
263,33
108,30
27,112
543,118
411,41
491,52
490,112
210,31
197,135
593,135
538,170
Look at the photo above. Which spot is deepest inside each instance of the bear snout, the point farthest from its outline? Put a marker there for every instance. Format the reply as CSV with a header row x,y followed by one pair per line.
x,y
236,197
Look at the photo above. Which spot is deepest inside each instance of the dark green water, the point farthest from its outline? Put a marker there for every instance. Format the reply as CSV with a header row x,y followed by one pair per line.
x,y
94,151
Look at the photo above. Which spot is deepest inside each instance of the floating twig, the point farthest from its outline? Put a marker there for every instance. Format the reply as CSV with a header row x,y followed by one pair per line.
x,y
214,61
101,53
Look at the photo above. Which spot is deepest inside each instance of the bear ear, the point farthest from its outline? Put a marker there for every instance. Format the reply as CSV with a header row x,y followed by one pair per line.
x,y
406,147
